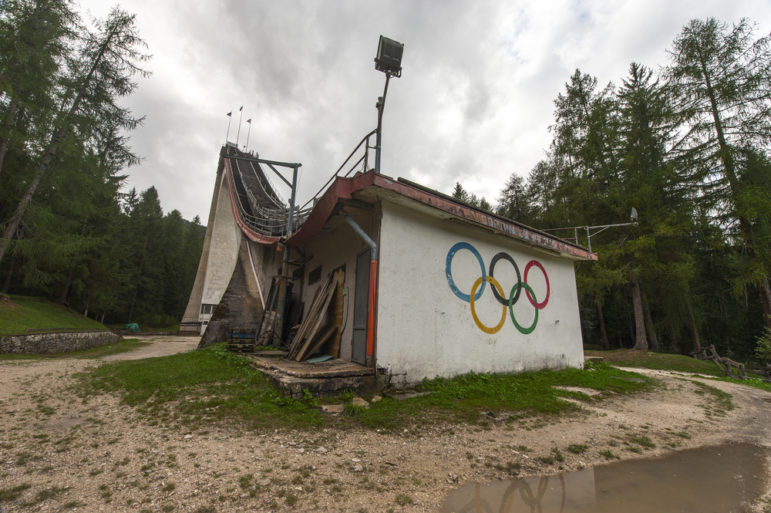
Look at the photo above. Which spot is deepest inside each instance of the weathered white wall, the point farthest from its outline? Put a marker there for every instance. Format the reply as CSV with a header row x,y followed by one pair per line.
x,y
333,248
425,330
223,251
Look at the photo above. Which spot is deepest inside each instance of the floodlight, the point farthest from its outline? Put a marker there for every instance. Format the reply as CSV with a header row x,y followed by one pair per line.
x,y
389,56
389,61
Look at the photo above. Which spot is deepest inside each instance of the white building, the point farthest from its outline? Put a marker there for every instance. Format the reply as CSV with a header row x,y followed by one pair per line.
x,y
454,289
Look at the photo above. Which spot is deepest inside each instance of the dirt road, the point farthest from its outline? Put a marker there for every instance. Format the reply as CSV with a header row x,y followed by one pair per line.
x,y
58,453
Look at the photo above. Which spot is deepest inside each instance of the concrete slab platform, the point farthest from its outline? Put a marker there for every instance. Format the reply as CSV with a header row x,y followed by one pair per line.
x,y
324,378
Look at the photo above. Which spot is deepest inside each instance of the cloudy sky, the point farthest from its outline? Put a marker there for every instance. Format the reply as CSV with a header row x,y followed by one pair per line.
x,y
473,105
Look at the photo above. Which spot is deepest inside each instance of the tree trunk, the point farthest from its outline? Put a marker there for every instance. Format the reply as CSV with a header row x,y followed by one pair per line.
x,y
67,285
53,145
8,277
12,109
603,331
765,300
729,167
694,328
649,327
640,340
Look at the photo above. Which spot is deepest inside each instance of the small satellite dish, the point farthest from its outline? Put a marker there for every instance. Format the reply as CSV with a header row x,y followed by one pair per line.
x,y
633,215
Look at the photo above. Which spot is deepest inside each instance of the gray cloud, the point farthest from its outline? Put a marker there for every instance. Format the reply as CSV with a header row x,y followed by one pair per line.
x,y
473,105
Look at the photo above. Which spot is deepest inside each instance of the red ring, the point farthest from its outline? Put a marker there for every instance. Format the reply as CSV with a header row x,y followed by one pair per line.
x,y
530,297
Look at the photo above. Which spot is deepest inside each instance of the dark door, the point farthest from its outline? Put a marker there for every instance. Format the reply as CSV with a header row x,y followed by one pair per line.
x,y
360,308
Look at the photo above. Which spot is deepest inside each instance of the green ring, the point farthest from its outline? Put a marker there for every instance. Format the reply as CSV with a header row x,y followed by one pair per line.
x,y
524,331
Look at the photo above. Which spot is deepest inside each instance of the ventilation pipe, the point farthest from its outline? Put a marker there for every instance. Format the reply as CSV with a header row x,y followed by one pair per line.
x,y
372,285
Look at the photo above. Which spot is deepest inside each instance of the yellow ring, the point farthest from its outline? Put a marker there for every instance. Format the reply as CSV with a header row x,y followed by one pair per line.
x,y
492,281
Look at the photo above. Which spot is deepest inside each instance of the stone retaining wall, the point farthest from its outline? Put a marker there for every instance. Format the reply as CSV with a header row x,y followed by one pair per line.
x,y
58,342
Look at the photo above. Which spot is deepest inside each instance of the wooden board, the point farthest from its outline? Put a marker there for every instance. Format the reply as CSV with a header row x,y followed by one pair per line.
x,y
306,340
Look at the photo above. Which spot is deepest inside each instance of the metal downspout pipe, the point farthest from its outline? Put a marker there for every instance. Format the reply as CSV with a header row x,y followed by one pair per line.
x,y
372,284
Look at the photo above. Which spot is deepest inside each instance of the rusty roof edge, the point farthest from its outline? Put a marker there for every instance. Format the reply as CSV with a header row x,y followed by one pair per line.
x,y
343,188
464,211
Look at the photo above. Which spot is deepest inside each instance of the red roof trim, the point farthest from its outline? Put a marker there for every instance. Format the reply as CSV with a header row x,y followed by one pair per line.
x,y
343,188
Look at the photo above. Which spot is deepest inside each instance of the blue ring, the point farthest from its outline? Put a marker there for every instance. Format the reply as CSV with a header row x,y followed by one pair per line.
x,y
448,271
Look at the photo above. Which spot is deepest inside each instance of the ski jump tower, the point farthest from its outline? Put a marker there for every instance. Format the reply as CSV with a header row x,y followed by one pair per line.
x,y
242,252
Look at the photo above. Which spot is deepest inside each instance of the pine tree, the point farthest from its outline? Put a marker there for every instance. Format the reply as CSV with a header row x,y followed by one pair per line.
x,y
721,77
515,201
89,107
35,36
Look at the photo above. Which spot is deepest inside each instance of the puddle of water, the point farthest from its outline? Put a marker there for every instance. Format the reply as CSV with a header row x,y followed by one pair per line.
x,y
721,479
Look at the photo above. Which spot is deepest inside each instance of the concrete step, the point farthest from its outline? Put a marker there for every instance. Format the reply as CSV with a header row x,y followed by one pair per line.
x,y
320,379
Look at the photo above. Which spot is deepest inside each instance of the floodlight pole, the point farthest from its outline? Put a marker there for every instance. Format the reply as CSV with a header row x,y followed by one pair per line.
x,y
602,228
388,60
380,105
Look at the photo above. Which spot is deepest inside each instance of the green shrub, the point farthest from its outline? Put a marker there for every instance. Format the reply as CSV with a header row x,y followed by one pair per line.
x,y
763,348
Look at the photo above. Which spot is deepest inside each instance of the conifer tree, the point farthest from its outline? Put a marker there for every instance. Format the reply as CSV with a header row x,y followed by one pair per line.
x,y
720,76
97,79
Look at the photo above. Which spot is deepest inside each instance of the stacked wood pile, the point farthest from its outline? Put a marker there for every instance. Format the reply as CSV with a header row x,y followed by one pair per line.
x,y
321,329
268,325
241,340
267,328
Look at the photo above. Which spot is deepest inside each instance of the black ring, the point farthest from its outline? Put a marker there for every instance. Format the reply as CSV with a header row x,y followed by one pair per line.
x,y
505,256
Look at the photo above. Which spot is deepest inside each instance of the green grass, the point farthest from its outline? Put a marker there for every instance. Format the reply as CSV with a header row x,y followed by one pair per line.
x,y
24,313
464,397
213,384
642,441
750,381
673,362
12,493
577,448
721,400
94,352
660,361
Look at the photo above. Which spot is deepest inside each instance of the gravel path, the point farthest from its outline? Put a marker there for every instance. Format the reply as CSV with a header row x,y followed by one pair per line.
x,y
63,454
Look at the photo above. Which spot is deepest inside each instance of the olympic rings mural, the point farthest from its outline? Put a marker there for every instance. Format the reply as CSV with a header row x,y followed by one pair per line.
x,y
487,276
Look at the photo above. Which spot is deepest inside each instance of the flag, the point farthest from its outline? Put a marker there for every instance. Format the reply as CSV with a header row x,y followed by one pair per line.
x,y
229,113
241,108
249,121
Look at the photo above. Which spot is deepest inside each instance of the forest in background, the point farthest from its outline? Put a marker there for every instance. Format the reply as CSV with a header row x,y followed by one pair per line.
x,y
687,146
69,233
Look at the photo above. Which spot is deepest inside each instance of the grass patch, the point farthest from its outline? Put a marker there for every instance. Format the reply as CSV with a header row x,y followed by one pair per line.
x,y
750,381
12,493
463,398
21,313
45,494
213,384
673,362
403,499
660,361
608,454
642,441
721,400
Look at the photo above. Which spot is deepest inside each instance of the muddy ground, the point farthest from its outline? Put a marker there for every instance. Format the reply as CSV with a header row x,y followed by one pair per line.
x,y
60,454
